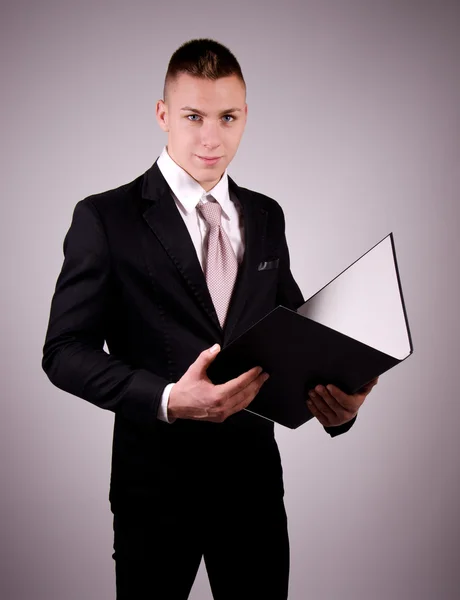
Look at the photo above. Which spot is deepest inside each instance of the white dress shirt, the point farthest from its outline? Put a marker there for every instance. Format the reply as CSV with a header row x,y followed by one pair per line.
x,y
187,192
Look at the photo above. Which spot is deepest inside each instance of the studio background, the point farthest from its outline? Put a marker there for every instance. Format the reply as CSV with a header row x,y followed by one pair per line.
x,y
353,126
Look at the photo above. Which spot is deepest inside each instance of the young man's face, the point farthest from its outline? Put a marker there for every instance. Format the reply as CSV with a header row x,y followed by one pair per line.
x,y
203,118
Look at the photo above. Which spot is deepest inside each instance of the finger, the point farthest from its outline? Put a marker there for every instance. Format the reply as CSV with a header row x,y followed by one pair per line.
x,y
240,400
317,413
245,397
367,388
203,361
343,399
236,385
349,403
316,397
323,392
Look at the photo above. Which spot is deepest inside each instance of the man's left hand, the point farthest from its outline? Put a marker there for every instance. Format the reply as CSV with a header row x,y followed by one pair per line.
x,y
332,407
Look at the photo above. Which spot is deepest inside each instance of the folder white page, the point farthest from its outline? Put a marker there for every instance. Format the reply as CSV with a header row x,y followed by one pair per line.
x,y
364,302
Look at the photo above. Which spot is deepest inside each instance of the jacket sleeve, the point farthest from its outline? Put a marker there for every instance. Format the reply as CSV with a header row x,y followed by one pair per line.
x,y
339,429
73,355
289,295
288,292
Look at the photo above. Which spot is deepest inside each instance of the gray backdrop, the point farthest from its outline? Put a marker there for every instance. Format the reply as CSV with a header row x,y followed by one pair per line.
x,y
353,126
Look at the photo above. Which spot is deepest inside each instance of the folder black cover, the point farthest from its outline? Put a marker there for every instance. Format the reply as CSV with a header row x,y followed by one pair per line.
x,y
352,330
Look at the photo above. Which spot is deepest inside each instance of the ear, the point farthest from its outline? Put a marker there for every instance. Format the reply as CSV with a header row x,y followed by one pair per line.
x,y
162,115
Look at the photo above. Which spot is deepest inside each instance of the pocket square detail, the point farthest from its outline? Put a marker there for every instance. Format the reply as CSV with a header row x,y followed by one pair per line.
x,y
269,264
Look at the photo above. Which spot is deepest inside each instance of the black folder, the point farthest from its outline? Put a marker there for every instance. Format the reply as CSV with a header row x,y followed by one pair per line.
x,y
352,330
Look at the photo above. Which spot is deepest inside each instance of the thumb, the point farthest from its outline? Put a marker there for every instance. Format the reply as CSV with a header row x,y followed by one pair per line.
x,y
368,386
205,359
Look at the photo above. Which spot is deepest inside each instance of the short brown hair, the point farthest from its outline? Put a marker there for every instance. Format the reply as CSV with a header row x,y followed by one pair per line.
x,y
204,58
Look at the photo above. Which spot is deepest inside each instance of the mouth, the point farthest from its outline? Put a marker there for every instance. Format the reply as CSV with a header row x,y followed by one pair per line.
x,y
209,160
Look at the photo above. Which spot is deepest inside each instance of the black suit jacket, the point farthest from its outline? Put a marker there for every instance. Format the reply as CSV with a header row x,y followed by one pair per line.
x,y
131,277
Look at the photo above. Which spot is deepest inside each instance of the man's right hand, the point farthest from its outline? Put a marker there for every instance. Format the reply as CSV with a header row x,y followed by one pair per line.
x,y
194,396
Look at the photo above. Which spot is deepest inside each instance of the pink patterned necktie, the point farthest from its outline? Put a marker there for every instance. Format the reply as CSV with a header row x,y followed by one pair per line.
x,y
221,262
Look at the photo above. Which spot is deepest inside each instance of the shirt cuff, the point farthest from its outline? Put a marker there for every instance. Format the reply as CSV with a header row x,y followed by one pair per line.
x,y
162,413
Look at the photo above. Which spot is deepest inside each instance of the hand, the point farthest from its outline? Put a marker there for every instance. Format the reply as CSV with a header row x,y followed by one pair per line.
x,y
194,396
332,407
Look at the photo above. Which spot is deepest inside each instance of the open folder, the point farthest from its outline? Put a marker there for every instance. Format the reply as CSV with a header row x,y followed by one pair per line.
x,y
354,329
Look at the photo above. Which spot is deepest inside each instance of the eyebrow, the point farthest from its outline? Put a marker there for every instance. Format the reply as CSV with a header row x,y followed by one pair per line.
x,y
203,114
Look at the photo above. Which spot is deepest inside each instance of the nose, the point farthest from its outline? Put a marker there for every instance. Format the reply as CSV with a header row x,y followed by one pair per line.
x,y
210,137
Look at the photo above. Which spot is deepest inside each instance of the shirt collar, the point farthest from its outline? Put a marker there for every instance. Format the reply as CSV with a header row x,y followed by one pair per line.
x,y
187,190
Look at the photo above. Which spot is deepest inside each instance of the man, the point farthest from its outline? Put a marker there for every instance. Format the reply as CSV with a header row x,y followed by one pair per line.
x,y
165,270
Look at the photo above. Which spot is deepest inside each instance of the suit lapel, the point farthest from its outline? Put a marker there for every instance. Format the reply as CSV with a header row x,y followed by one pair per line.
x,y
164,220
255,222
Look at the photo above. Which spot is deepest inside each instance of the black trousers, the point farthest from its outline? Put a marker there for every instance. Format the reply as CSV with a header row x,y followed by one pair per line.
x,y
245,545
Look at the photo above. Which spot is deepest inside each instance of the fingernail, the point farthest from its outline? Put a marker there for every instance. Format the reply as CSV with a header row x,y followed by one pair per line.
x,y
214,349
266,376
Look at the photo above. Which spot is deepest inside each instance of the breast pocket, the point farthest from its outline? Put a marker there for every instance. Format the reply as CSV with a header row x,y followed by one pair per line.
x,y
267,265
265,282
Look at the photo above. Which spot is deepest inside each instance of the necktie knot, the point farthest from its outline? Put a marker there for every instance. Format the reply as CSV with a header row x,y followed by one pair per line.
x,y
211,212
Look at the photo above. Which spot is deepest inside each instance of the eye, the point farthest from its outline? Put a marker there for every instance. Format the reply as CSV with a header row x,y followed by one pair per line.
x,y
188,117
231,117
